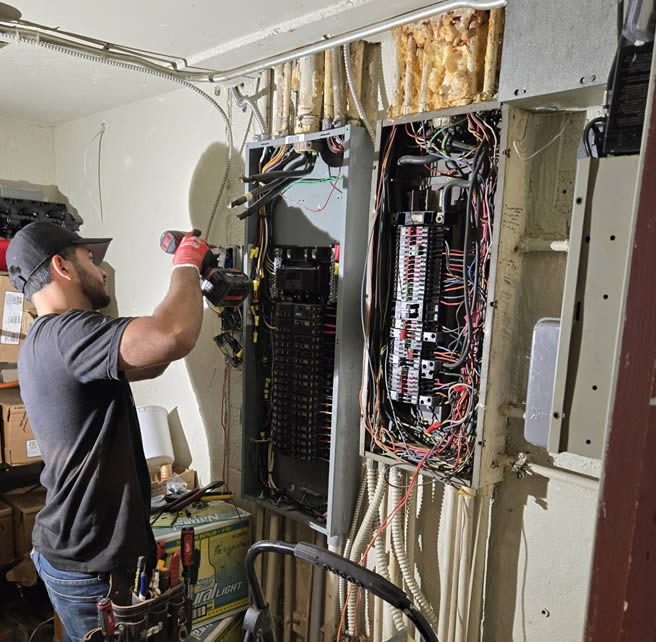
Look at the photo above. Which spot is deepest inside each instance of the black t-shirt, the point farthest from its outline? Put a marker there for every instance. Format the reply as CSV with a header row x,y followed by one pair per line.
x,y
80,407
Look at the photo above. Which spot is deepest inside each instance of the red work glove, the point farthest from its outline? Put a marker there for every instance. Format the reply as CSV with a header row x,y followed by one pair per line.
x,y
191,252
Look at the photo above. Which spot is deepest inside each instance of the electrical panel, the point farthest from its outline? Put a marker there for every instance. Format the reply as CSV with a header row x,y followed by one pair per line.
x,y
306,234
428,288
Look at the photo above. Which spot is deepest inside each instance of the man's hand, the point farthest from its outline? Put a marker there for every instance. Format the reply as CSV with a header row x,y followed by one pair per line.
x,y
191,252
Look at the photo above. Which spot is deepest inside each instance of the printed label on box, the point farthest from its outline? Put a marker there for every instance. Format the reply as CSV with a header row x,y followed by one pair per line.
x,y
32,448
12,317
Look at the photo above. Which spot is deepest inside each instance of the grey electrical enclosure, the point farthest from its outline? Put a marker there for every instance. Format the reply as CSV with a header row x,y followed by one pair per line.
x,y
326,210
572,49
591,318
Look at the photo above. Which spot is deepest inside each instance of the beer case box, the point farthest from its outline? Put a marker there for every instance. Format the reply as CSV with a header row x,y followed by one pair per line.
x,y
7,546
16,316
18,444
226,630
26,503
222,534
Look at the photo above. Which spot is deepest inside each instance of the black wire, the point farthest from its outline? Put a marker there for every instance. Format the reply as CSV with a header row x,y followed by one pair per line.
x,y
478,160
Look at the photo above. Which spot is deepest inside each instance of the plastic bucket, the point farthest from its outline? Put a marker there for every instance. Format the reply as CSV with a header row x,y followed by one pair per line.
x,y
156,437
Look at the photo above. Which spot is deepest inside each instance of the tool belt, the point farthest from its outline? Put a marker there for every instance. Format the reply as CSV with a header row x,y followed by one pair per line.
x,y
165,618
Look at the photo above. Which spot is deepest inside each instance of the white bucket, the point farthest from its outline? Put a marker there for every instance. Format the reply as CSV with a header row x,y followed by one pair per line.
x,y
156,437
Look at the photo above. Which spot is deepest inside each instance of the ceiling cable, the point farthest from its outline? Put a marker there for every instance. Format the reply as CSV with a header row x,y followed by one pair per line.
x,y
11,24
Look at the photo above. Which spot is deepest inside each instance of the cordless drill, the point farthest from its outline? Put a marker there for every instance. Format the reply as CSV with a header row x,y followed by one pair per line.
x,y
221,286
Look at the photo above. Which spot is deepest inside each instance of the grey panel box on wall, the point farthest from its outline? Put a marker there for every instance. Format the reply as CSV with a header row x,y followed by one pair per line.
x,y
553,46
324,214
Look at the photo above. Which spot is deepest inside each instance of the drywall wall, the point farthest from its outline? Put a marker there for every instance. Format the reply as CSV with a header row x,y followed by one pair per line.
x,y
27,155
161,160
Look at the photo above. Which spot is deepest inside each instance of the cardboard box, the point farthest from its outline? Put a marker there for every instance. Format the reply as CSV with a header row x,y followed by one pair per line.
x,y
16,316
26,503
7,543
223,537
186,474
18,444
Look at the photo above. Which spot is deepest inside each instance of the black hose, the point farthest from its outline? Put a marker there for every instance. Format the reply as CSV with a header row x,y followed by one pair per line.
x,y
271,176
418,160
265,200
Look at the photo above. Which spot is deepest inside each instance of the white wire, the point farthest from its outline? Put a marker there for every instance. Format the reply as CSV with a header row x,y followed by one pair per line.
x,y
538,151
50,619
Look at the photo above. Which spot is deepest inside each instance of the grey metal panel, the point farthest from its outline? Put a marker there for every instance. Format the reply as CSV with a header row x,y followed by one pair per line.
x,y
553,46
581,195
343,221
344,457
598,305
539,395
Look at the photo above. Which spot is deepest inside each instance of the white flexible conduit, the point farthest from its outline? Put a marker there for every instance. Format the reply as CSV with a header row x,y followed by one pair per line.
x,y
356,98
361,540
398,543
129,66
351,536
247,101
382,564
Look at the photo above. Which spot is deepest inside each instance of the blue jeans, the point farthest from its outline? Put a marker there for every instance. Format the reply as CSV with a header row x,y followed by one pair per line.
x,y
73,596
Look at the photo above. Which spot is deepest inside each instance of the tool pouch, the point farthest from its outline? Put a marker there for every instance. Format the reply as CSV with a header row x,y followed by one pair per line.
x,y
160,619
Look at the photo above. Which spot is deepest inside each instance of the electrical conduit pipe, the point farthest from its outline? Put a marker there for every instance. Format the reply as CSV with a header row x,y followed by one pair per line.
x,y
351,536
361,540
398,543
354,93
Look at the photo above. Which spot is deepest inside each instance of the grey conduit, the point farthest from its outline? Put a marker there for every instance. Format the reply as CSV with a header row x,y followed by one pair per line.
x,y
152,71
356,98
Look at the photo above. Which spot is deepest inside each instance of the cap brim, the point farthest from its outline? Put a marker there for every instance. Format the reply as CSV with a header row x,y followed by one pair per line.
x,y
97,246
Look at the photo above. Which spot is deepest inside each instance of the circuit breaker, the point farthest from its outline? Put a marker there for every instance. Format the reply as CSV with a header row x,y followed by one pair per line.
x,y
429,286
303,334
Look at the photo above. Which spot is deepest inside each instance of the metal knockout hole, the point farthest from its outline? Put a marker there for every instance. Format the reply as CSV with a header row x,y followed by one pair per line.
x,y
587,441
605,296
612,237
594,387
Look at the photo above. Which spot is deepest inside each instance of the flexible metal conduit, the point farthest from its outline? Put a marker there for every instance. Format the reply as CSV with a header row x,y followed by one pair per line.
x,y
159,73
351,536
356,98
227,75
247,102
360,540
382,565
398,542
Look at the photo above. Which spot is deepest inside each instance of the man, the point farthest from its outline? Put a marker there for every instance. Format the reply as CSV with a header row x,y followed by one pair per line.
x,y
73,369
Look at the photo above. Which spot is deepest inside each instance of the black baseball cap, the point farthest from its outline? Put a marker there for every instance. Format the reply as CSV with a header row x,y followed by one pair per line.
x,y
37,242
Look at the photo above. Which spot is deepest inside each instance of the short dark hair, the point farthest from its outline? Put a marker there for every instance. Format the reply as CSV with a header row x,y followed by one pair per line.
x,y
42,275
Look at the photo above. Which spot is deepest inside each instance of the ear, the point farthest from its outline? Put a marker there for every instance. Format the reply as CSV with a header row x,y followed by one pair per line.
x,y
58,267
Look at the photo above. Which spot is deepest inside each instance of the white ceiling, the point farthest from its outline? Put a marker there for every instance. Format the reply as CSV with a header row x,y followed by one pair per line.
x,y
51,88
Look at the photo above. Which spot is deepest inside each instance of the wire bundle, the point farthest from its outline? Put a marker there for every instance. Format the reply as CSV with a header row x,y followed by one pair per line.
x,y
462,153
280,169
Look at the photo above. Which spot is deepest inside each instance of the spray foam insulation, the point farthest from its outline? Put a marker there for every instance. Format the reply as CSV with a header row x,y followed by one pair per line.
x,y
448,60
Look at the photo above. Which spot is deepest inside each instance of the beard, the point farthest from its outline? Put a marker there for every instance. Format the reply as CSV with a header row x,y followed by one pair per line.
x,y
93,289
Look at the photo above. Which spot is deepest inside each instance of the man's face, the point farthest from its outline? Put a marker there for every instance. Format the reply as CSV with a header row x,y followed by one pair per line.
x,y
91,278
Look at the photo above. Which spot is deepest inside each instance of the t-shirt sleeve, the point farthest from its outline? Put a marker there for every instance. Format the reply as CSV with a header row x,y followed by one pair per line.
x,y
88,343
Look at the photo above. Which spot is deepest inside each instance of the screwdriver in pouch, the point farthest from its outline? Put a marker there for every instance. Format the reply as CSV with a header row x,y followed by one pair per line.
x,y
106,615
187,546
